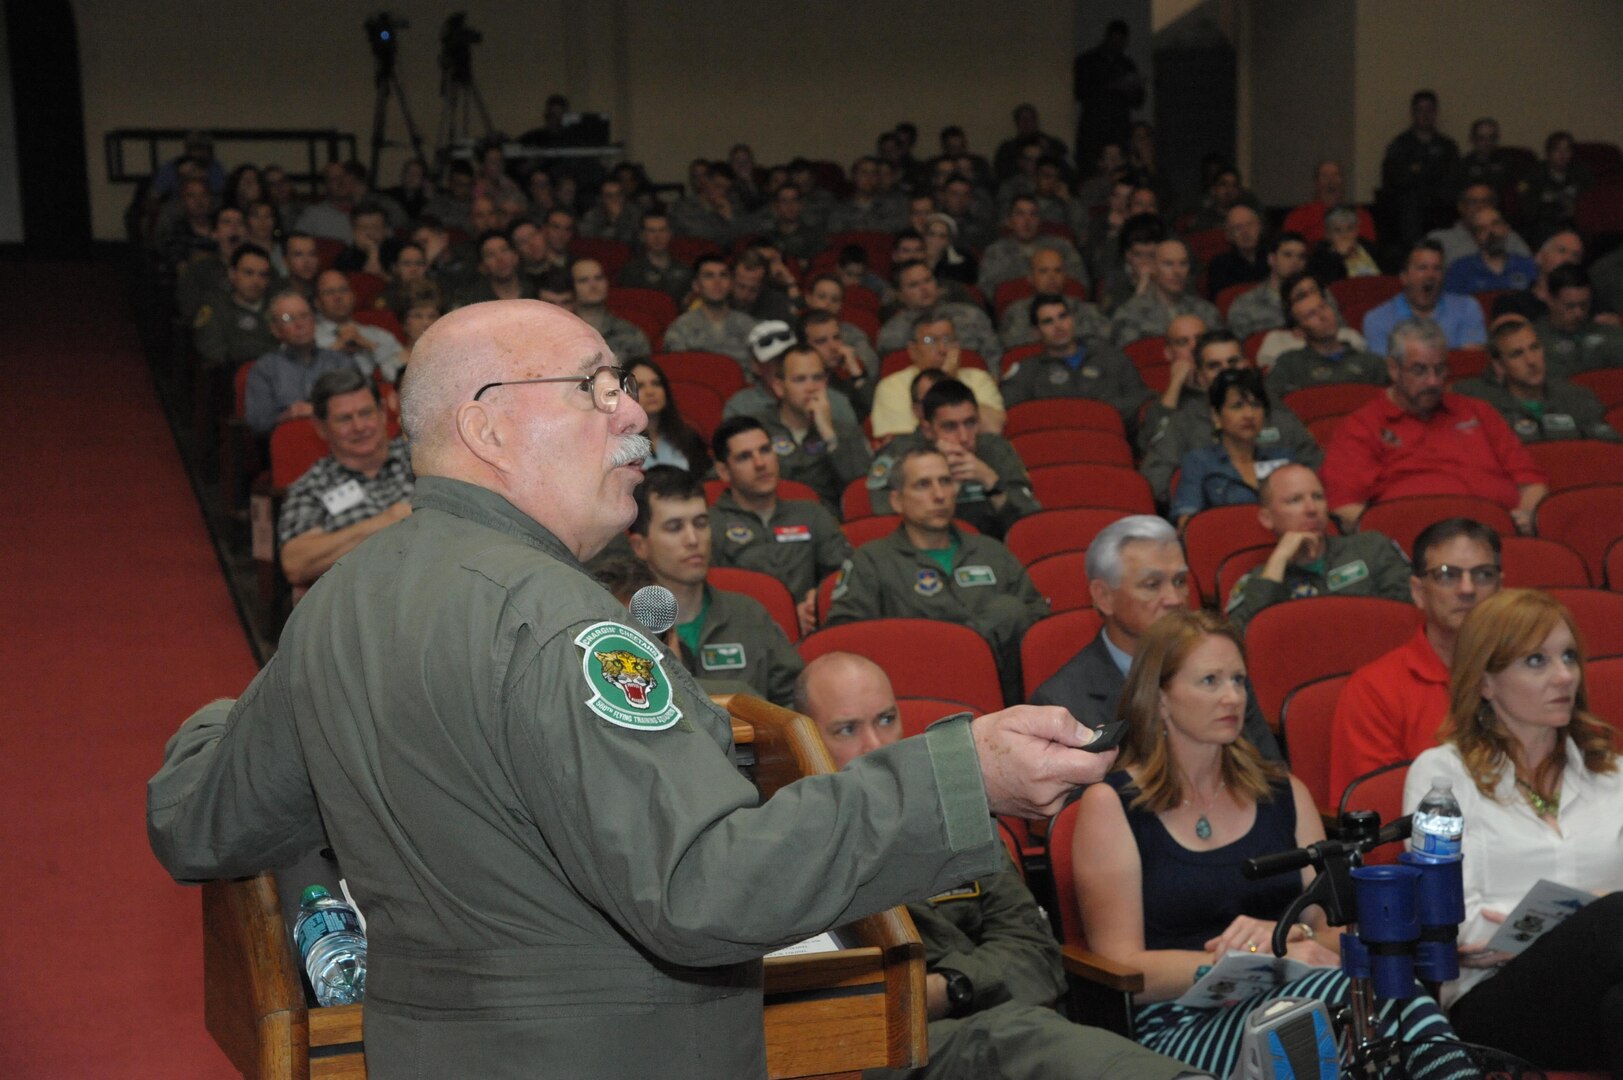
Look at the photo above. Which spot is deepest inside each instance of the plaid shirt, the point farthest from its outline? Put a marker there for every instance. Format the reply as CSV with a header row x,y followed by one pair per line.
x,y
303,510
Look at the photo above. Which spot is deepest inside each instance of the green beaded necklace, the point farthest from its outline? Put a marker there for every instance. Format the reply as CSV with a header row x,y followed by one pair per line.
x,y
1542,806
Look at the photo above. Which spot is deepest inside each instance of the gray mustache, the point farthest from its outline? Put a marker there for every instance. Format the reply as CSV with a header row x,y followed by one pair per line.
x,y
631,449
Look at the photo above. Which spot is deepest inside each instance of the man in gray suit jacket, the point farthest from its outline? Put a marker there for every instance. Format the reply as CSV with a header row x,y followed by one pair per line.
x,y
1136,573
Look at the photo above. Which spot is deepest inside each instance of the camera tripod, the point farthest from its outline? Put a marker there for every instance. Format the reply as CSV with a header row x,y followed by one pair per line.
x,y
459,92
383,32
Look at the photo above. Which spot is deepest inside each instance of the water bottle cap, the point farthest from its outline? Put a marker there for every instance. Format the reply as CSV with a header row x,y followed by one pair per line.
x,y
313,892
1442,782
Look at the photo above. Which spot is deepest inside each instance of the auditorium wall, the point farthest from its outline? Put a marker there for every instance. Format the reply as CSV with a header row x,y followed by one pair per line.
x,y
1333,79
680,79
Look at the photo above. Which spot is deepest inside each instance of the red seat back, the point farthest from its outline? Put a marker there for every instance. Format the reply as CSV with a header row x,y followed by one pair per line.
x,y
1063,579
1308,713
1534,562
1056,446
1404,519
1049,532
610,254
1061,834
772,594
1212,536
1051,641
862,319
328,250
1048,413
876,244
787,489
1235,566
294,447
911,652
1357,295
721,373
1466,363
1147,351
1599,615
1225,299
1613,565
366,287
1092,485
1382,793
654,302
1578,462
1290,644
918,713
1336,399
860,296
1585,519
701,405
687,249
1604,383
382,318
1603,688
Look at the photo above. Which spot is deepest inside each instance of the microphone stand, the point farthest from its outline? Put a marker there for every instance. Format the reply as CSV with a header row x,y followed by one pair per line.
x,y
1334,889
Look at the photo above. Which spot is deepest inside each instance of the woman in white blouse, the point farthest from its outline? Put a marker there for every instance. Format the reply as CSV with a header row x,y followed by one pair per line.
x,y
1537,779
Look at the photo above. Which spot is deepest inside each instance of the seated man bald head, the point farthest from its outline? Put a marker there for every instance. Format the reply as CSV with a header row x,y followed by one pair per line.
x,y
850,699
496,388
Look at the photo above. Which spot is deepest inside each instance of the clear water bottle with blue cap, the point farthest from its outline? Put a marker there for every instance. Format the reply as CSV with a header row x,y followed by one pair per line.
x,y
1438,824
328,934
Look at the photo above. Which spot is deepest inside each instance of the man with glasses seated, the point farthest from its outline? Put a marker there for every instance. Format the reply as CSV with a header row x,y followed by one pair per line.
x,y
280,382
932,346
1416,439
1391,708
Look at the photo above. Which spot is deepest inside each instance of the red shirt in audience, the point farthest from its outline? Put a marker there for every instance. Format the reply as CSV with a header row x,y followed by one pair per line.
x,y
1308,219
1383,452
1389,711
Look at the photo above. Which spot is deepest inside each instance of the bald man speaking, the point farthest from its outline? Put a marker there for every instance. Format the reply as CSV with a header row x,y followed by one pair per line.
x,y
563,872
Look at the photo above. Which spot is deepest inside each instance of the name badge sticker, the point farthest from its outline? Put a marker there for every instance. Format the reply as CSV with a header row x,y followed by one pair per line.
x,y
792,534
966,576
345,496
1347,574
723,657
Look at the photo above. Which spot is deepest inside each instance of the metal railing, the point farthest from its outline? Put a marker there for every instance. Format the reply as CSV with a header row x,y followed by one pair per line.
x,y
134,154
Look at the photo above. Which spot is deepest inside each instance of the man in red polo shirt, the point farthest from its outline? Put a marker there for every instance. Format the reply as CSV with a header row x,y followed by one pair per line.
x,y
1392,707
1415,439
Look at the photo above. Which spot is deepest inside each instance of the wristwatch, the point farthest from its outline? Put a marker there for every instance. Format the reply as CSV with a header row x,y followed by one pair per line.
x,y
960,991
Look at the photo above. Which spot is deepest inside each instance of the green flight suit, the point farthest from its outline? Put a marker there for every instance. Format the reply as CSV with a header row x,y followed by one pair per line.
x,y
1167,435
974,504
1567,411
740,642
992,932
557,882
810,461
1305,367
986,590
1105,374
1591,346
799,543
224,332
1363,564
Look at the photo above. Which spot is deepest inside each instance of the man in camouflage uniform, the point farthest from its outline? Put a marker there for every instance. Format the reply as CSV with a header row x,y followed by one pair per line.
x,y
1150,312
1308,560
812,446
625,340
994,489
1047,276
1010,257
230,328
928,569
795,540
1074,364
1324,358
1538,407
1573,341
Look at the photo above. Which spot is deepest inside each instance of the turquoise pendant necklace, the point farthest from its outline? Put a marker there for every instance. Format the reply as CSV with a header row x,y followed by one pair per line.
x,y
1203,827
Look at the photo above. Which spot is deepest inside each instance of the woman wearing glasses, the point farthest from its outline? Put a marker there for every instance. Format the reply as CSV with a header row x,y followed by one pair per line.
x,y
1159,848
1537,778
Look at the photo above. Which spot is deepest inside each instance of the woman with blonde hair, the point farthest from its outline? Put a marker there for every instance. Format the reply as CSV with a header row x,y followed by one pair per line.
x,y
1159,847
1537,779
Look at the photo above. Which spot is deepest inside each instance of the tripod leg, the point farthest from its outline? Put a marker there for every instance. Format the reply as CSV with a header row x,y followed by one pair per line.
x,y
479,100
411,125
380,117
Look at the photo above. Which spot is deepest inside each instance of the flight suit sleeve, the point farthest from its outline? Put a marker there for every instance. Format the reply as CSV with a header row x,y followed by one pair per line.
x,y
1391,572
1161,458
783,664
1018,500
1017,958
1296,438
233,796
1016,384
660,831
832,546
852,456
858,595
1251,594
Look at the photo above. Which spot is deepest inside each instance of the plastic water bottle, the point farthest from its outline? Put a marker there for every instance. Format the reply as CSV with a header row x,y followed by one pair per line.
x,y
328,934
1438,824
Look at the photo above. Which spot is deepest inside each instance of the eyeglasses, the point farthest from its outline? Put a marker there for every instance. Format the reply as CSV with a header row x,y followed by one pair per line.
x,y
939,339
605,391
295,316
1449,576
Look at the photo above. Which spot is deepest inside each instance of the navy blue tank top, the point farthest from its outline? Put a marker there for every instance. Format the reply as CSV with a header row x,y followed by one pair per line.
x,y
1192,896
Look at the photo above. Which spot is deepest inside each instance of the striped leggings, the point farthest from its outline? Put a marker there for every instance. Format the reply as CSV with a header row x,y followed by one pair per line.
x,y
1209,1039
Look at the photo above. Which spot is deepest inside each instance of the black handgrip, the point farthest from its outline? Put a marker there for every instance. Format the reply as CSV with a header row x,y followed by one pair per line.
x,y
1278,863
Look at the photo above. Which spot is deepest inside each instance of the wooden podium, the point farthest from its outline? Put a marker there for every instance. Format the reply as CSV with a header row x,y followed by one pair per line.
x,y
827,1014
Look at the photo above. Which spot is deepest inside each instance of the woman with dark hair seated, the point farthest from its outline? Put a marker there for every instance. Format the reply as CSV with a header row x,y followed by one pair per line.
x,y
1538,781
675,442
1229,469
1158,851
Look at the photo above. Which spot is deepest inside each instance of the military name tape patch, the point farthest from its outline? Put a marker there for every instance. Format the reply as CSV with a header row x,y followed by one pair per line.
x,y
1347,574
629,685
723,657
974,575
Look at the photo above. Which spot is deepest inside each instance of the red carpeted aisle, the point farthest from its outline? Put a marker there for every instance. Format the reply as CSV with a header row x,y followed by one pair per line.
x,y
117,623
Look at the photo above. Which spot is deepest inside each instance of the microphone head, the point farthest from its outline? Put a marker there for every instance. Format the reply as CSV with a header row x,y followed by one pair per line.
x,y
655,607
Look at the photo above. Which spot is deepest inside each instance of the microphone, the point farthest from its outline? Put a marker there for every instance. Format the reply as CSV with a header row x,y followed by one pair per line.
x,y
655,607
